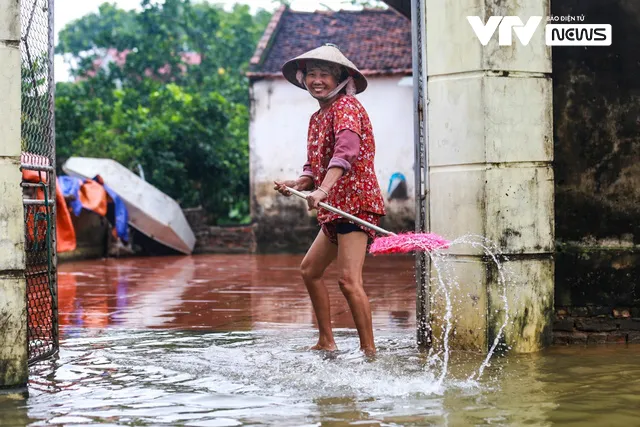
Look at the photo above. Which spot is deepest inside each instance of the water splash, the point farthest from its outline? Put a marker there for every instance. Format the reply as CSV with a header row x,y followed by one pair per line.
x,y
493,251
446,286
436,259
267,377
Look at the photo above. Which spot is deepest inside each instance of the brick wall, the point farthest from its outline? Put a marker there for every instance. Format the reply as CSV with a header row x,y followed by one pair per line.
x,y
220,239
596,325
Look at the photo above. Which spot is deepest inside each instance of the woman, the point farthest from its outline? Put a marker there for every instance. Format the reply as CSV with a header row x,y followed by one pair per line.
x,y
339,171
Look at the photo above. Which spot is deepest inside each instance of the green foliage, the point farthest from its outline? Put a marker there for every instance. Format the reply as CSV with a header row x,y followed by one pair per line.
x,y
96,30
185,124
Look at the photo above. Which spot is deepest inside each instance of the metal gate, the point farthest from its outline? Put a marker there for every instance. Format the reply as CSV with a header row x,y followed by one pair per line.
x,y
421,167
38,176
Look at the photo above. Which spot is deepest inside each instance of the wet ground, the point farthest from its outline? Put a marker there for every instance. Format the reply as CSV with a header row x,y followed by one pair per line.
x,y
221,341
221,293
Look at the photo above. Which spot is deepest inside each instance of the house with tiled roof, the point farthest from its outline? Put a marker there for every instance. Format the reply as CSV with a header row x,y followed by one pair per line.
x,y
378,42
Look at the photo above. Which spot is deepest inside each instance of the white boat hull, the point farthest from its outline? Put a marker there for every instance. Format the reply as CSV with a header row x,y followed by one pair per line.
x,y
151,212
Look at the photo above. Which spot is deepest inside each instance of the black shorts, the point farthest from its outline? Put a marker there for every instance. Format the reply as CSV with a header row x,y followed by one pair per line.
x,y
332,229
347,227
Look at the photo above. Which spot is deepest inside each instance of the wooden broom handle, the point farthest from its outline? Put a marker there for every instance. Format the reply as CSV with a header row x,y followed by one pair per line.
x,y
344,214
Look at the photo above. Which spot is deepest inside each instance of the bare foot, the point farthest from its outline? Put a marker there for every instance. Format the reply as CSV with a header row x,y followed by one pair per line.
x,y
369,352
325,347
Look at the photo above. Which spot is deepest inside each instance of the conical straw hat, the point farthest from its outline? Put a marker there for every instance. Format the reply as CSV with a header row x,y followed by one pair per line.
x,y
327,53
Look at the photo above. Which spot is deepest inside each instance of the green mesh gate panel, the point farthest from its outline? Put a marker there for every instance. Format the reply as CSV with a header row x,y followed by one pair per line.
x,y
38,167
41,292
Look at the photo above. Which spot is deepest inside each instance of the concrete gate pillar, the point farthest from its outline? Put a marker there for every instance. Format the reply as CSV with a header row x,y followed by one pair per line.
x,y
490,167
13,307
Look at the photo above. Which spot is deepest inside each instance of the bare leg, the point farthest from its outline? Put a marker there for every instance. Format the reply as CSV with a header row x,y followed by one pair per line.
x,y
352,249
318,258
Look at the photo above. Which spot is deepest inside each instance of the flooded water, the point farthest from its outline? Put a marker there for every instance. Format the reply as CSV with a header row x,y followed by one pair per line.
x,y
221,341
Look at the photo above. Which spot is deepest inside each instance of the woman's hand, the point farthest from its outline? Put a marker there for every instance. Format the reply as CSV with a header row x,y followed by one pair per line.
x,y
304,183
314,198
301,184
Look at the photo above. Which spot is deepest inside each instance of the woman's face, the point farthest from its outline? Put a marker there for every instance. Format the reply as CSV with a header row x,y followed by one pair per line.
x,y
320,82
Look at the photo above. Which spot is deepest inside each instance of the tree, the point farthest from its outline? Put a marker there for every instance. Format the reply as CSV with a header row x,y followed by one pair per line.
x,y
174,99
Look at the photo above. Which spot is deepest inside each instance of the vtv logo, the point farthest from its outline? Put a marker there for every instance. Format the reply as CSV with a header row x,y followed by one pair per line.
x,y
484,32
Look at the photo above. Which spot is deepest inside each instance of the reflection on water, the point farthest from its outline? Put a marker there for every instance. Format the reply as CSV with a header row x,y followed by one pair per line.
x,y
221,341
221,293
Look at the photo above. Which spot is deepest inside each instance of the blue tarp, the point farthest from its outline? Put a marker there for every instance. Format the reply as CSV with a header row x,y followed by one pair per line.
x,y
70,186
121,214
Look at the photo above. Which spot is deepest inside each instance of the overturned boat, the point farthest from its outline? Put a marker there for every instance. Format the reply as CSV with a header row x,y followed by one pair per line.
x,y
151,212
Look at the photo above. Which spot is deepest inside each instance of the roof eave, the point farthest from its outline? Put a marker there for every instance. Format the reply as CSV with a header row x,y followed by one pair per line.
x,y
267,37
401,6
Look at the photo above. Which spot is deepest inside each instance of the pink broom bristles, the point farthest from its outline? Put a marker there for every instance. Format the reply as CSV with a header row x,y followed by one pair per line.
x,y
408,242
391,243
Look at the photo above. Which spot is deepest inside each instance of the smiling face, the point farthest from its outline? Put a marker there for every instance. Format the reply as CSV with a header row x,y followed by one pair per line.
x,y
321,79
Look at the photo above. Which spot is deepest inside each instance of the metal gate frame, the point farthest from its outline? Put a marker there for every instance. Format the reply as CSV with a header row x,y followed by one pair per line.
x,y
421,168
39,195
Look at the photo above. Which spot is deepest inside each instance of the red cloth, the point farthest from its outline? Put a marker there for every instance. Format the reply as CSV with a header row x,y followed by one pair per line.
x,y
65,233
357,192
345,153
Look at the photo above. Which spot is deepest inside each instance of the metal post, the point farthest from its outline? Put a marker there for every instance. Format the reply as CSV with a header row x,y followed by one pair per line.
x,y
421,168
52,183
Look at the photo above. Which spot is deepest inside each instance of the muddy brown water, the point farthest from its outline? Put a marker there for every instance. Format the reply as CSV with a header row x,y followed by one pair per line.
x,y
220,340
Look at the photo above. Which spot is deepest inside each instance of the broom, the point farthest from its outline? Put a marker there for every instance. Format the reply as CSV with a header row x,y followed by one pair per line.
x,y
392,242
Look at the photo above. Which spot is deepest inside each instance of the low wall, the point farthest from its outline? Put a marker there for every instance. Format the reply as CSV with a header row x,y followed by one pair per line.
x,y
92,235
597,299
220,239
596,325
